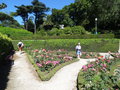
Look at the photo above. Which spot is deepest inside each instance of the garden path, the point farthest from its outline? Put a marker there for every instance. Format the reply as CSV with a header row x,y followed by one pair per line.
x,y
23,76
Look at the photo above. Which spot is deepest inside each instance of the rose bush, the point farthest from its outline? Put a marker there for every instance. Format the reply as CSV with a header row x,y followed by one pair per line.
x,y
98,75
46,60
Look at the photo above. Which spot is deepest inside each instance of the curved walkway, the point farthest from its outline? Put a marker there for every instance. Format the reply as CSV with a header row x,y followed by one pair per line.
x,y
23,76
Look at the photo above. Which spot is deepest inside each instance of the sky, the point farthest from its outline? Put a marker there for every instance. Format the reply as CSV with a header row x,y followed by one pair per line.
x,y
58,4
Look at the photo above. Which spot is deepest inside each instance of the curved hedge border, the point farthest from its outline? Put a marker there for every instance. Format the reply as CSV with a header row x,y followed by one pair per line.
x,y
45,77
5,47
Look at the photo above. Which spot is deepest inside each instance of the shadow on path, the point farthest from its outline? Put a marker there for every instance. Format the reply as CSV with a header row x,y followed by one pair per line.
x,y
4,72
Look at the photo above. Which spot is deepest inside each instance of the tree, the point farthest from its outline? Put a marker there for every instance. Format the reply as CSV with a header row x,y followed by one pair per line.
x,y
39,9
59,17
9,21
23,12
3,5
30,25
47,24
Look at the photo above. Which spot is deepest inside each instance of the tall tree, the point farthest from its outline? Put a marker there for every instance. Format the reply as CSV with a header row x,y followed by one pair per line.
x,y
9,21
39,9
23,12
59,17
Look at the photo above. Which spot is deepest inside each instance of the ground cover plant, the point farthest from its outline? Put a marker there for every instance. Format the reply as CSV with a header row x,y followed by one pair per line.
x,y
101,74
48,62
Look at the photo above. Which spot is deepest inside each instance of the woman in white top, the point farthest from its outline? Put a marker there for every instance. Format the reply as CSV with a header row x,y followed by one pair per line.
x,y
78,50
20,46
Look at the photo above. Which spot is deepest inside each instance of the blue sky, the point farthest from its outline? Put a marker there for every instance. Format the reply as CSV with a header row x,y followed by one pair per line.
x,y
58,4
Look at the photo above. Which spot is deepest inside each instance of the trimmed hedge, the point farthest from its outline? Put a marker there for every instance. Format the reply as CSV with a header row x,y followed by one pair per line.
x,y
88,45
5,47
77,36
16,33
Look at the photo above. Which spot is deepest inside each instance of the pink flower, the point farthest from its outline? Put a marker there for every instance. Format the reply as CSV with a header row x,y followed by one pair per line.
x,y
47,56
84,67
55,62
36,50
44,50
87,56
60,56
103,59
38,64
42,55
104,65
37,56
68,58
108,61
90,65
48,62
93,69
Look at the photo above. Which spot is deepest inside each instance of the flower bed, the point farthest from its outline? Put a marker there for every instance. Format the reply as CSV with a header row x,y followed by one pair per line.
x,y
48,62
97,75
87,55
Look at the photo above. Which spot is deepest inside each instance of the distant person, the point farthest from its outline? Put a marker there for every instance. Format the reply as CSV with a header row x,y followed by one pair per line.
x,y
20,45
78,50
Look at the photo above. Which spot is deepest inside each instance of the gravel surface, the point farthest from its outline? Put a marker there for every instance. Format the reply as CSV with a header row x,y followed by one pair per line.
x,y
23,76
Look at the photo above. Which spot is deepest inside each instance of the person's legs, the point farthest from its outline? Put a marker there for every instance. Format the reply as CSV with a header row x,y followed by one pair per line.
x,y
78,54
20,49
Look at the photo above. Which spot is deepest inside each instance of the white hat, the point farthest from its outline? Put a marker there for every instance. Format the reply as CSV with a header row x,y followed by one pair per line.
x,y
78,43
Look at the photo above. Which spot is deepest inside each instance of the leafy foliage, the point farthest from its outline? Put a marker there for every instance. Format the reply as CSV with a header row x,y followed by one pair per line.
x,y
5,47
96,75
8,21
15,33
3,5
84,12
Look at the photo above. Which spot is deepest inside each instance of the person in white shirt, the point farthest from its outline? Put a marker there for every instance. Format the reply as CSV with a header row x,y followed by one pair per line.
x,y
78,50
20,45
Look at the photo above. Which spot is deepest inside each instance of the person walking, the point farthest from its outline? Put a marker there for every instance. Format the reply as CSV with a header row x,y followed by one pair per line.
x,y
78,50
20,46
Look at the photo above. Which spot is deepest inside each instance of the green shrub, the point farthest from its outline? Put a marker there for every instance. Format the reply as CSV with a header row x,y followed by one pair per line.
x,y
42,33
5,47
78,30
67,30
15,33
53,32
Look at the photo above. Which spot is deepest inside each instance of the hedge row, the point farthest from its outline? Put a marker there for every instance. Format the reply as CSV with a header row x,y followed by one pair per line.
x,y
77,36
94,45
89,36
5,47
21,34
15,33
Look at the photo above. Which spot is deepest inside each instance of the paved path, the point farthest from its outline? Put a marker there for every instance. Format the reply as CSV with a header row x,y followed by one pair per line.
x,y
24,77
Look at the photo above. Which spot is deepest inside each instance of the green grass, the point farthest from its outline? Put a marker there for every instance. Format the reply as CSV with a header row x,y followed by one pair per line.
x,y
44,76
